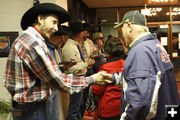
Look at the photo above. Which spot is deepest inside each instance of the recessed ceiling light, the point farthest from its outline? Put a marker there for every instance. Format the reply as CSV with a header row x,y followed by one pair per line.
x,y
103,20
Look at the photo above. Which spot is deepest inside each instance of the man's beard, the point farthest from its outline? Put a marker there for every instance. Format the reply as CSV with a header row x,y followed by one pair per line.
x,y
46,38
85,37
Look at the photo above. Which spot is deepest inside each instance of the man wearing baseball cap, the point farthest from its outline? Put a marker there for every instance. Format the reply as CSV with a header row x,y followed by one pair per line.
x,y
31,72
149,82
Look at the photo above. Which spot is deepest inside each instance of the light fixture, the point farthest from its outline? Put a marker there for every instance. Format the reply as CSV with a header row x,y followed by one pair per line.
x,y
175,11
160,2
150,11
103,20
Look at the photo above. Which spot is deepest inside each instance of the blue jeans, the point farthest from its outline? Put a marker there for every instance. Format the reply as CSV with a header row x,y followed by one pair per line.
x,y
52,106
35,111
74,107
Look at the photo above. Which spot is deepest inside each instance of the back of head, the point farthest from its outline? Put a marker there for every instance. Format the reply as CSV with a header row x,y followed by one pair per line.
x,y
135,22
109,36
114,47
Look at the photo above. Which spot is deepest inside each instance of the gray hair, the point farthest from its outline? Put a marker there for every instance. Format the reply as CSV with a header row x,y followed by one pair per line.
x,y
139,27
43,16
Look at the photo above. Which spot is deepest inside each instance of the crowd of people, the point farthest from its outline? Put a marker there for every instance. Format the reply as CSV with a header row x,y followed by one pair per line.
x,y
53,67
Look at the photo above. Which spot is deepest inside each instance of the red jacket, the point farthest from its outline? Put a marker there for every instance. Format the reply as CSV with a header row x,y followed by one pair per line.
x,y
109,96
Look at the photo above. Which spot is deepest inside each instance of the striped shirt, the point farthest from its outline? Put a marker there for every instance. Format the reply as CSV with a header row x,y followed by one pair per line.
x,y
30,69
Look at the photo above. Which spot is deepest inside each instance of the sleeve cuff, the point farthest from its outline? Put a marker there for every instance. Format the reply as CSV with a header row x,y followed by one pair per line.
x,y
118,78
91,80
114,79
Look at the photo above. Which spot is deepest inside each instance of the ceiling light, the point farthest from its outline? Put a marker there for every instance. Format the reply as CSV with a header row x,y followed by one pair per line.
x,y
103,20
150,11
160,2
163,26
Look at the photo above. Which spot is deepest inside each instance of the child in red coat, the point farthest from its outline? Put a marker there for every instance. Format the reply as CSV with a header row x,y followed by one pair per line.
x,y
109,96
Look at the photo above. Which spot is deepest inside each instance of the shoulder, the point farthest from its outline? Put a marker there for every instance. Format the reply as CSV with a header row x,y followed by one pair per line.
x,y
69,44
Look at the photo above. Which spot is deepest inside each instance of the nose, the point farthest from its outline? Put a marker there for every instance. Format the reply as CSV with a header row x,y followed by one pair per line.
x,y
56,28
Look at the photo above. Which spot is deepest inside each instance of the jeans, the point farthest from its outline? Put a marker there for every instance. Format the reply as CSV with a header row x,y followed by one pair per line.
x,y
74,107
52,106
84,100
35,111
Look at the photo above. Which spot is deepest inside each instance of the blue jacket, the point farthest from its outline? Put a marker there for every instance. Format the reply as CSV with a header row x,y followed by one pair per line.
x,y
149,82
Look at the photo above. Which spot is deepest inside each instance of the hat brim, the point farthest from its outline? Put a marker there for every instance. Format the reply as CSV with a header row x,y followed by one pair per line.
x,y
76,27
118,25
63,30
45,8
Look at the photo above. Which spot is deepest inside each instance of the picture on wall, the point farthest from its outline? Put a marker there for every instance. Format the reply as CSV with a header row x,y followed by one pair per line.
x,y
6,40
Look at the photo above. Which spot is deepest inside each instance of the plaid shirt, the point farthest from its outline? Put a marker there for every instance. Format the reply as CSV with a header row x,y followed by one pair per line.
x,y
30,69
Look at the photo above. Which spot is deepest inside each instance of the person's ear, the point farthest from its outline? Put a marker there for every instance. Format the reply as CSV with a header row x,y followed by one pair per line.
x,y
130,27
81,34
39,19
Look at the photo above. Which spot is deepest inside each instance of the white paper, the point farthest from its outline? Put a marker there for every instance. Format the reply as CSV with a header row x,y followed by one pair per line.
x,y
174,54
179,37
164,41
163,26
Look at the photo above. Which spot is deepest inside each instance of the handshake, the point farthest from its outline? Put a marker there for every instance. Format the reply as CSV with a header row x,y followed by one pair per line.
x,y
102,78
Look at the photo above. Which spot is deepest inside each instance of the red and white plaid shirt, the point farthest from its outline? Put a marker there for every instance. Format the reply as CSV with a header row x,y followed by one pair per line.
x,y
30,69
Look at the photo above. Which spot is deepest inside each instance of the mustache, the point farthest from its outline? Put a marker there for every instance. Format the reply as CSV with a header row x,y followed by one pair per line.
x,y
53,31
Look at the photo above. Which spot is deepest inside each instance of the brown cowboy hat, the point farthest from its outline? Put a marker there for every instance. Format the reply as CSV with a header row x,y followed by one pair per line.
x,y
97,35
45,8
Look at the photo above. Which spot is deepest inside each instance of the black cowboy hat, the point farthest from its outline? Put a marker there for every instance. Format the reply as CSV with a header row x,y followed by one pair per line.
x,y
45,8
63,30
86,26
67,30
76,27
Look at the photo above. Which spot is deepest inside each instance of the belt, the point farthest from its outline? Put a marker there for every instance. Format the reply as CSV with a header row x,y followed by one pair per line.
x,y
29,103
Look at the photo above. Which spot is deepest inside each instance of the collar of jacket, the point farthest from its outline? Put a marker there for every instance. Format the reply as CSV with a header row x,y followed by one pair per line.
x,y
50,45
73,41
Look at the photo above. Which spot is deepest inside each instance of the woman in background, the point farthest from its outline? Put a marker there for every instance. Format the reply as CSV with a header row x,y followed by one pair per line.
x,y
109,96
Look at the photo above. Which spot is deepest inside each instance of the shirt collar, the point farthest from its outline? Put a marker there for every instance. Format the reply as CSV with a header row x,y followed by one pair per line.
x,y
50,45
36,29
33,31
74,42
135,40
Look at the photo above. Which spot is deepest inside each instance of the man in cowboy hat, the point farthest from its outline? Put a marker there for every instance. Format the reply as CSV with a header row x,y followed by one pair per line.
x,y
54,44
31,71
72,50
99,56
